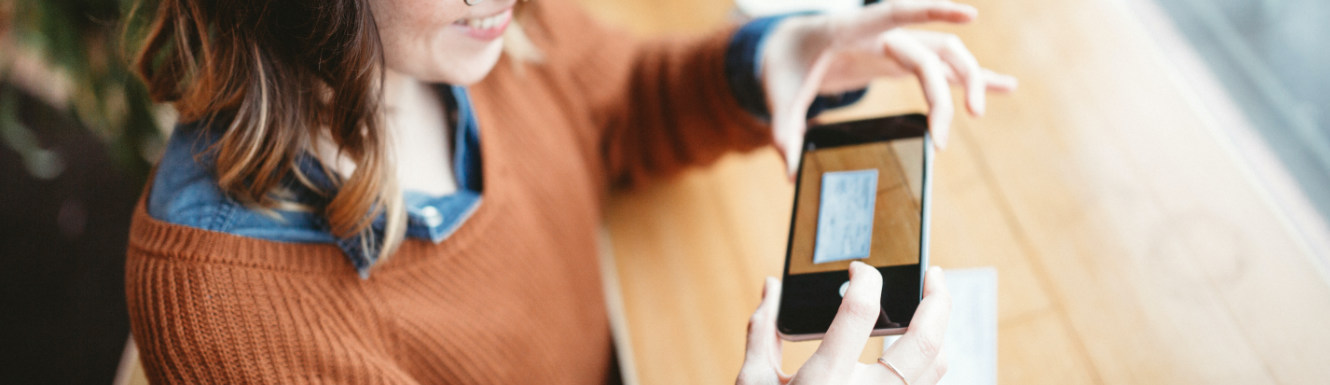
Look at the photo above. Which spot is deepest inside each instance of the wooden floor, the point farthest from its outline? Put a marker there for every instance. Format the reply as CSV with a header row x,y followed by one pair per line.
x,y
1133,246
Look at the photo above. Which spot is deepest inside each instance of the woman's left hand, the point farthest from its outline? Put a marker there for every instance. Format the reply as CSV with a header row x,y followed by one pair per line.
x,y
832,53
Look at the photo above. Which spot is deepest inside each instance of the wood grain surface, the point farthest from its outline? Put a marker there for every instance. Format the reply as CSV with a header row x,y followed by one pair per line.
x,y
1132,245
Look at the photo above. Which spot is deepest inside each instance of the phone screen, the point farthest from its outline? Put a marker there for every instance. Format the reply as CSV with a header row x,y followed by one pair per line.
x,y
860,196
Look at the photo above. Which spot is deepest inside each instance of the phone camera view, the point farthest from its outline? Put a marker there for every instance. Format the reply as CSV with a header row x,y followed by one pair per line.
x,y
859,202
859,198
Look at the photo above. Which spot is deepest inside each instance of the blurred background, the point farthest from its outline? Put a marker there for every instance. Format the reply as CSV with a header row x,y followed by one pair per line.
x,y
1154,198
77,135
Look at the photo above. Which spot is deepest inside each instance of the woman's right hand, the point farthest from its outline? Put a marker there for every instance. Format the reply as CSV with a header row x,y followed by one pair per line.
x,y
917,354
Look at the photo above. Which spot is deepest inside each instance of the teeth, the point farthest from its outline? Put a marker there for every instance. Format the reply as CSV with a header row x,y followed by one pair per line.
x,y
485,23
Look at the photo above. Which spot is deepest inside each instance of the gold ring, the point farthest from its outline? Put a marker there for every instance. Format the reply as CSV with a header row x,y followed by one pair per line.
x,y
893,369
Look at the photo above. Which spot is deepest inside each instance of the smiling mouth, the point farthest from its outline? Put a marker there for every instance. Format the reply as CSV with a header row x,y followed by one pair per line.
x,y
488,22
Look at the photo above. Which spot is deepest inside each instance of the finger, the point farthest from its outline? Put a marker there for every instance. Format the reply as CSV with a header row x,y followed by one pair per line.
x,y
854,321
789,137
953,52
763,341
993,81
771,302
791,121
791,149
762,357
788,125
936,91
931,72
884,16
935,371
1000,82
916,350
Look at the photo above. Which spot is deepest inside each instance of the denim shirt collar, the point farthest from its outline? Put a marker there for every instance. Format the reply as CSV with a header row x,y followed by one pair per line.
x,y
432,218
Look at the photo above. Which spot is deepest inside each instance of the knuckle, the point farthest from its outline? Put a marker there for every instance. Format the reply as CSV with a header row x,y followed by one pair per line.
x,y
757,318
941,365
754,372
927,345
953,42
746,376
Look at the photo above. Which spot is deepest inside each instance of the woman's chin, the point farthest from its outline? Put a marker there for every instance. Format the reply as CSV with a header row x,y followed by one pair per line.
x,y
473,69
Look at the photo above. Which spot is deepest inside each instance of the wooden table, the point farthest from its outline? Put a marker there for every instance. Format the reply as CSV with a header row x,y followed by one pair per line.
x,y
1134,241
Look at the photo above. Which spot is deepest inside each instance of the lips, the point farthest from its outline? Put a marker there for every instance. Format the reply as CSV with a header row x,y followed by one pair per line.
x,y
488,27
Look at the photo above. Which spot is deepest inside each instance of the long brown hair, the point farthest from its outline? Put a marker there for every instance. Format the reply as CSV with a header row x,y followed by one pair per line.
x,y
281,74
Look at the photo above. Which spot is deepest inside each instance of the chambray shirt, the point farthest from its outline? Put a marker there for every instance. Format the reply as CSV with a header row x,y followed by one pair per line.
x,y
184,191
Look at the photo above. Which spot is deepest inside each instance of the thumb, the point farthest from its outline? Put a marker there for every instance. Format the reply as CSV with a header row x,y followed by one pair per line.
x,y
790,146
762,357
790,119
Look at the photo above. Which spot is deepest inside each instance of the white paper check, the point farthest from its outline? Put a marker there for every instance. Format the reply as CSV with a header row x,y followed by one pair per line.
x,y
845,215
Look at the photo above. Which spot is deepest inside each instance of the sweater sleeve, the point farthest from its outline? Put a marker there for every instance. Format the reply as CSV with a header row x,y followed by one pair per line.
x,y
657,105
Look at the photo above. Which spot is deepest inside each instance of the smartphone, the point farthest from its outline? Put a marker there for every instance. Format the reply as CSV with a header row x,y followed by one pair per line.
x,y
862,194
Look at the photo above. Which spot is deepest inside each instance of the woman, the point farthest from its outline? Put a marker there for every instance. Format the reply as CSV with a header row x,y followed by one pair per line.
x,y
373,191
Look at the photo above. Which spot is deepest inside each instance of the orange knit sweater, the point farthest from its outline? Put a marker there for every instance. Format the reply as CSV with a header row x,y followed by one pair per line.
x,y
514,296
